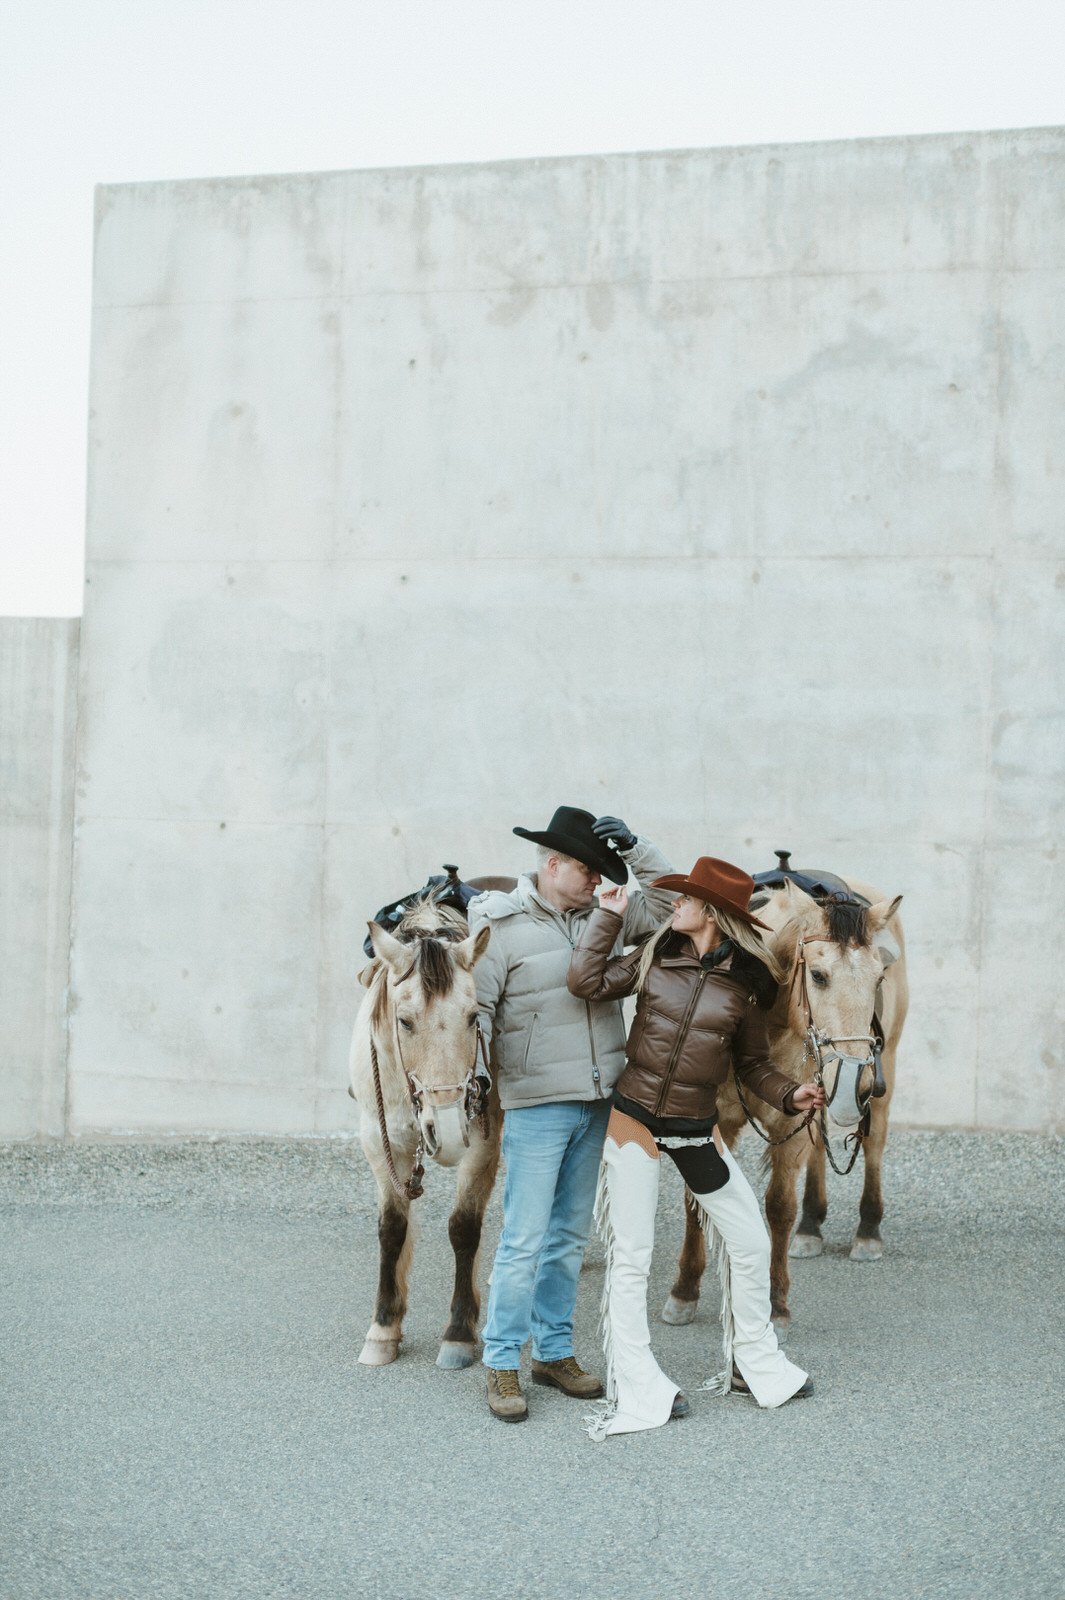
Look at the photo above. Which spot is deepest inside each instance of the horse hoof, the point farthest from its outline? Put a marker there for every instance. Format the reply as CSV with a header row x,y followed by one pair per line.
x,y
805,1245
781,1324
379,1352
678,1313
453,1355
867,1249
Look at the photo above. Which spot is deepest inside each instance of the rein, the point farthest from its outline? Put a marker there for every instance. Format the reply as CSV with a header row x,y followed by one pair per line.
x,y
474,1090
824,1048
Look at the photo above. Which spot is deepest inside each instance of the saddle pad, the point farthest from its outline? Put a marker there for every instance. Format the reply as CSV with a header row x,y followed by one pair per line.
x,y
820,885
445,889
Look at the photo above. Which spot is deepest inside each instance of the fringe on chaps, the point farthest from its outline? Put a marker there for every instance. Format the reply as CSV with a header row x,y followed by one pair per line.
x,y
639,1395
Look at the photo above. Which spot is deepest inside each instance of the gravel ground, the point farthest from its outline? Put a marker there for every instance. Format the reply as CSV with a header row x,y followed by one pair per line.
x,y
184,1414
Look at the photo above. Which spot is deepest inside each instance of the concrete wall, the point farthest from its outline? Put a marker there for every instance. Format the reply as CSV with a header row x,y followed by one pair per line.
x,y
38,682
722,489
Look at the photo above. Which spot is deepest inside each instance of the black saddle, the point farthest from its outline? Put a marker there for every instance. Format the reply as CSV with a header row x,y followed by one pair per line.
x,y
444,889
821,886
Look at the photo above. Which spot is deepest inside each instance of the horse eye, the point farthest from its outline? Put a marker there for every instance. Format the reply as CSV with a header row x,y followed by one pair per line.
x,y
472,1019
405,1024
820,979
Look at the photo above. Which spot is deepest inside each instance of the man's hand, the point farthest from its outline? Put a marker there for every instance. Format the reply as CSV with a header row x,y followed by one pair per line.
x,y
615,832
615,899
808,1096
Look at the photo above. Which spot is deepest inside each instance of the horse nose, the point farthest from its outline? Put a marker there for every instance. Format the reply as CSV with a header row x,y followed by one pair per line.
x,y
429,1132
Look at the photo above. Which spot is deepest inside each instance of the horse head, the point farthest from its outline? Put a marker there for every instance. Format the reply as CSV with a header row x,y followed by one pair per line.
x,y
424,1013
835,961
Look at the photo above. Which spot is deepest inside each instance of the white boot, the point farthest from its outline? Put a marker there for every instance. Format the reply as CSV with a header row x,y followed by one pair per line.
x,y
737,1238
639,1394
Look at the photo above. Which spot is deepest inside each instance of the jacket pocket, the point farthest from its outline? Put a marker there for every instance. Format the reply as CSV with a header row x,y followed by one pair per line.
x,y
529,1041
636,1033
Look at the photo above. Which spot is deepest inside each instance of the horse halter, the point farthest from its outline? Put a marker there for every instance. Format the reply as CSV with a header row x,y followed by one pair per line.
x,y
835,1068
471,1094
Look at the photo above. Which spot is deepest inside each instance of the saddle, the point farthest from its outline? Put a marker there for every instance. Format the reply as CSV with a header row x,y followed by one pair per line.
x,y
443,889
820,886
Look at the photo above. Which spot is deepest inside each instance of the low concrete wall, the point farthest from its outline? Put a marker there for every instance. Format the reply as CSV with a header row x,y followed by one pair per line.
x,y
722,489
38,682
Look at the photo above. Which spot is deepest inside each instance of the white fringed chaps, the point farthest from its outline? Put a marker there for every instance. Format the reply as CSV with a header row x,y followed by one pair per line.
x,y
639,1395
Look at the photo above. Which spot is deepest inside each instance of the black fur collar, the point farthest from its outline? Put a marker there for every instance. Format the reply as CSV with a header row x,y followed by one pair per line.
x,y
745,969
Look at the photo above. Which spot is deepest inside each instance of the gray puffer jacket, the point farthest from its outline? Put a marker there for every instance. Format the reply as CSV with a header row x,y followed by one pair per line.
x,y
548,1045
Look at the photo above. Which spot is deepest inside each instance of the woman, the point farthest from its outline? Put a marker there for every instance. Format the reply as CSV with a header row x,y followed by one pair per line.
x,y
705,982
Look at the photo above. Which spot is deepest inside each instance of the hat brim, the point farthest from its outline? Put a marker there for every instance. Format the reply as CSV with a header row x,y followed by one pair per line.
x,y
676,883
605,861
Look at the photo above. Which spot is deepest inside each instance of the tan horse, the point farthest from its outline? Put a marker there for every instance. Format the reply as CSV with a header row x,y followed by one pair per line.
x,y
844,970
419,1021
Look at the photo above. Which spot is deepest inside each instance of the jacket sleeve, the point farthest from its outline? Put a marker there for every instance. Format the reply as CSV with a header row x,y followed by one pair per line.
x,y
594,973
490,973
647,907
750,1058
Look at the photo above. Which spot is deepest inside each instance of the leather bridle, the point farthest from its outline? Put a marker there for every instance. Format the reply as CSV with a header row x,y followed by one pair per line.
x,y
824,1050
472,1092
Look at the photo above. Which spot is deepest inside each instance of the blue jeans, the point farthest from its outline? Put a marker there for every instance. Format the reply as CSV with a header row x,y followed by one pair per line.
x,y
552,1154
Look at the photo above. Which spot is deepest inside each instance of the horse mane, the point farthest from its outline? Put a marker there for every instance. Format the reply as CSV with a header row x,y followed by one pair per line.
x,y
430,928
847,922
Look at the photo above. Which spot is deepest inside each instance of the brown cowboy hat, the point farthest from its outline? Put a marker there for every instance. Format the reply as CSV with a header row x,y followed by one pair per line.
x,y
719,883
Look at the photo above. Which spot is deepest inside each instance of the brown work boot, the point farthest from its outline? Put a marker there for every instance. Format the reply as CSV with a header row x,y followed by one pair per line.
x,y
569,1376
505,1399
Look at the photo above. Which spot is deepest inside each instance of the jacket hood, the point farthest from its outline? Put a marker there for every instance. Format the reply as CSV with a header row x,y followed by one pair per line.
x,y
497,903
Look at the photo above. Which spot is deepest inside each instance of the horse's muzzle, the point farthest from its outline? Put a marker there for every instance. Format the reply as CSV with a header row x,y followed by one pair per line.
x,y
848,1083
445,1130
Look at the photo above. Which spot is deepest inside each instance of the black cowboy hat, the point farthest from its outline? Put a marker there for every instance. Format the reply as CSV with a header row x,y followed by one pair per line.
x,y
570,831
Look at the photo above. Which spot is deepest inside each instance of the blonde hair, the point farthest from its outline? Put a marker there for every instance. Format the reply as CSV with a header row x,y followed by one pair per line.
x,y
742,933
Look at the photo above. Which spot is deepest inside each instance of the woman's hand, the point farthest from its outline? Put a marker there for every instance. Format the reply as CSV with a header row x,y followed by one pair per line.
x,y
808,1097
614,899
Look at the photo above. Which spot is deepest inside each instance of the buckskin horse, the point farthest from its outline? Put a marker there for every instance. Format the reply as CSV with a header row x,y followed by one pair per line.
x,y
419,1073
839,1012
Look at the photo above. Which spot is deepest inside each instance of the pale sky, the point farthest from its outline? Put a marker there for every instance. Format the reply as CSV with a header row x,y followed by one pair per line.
x,y
103,91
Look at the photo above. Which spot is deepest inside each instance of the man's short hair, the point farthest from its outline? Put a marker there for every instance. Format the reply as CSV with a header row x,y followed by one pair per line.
x,y
544,853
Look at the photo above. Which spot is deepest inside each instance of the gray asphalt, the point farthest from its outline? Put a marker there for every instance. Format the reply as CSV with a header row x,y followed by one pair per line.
x,y
183,1414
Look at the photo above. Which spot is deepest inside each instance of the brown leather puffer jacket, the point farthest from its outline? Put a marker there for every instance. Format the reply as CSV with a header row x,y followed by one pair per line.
x,y
692,1025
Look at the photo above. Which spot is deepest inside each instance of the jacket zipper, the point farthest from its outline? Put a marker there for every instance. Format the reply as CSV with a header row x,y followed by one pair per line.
x,y
667,1082
596,1076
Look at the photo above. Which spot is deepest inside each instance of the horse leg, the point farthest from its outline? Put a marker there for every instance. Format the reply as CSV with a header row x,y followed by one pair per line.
x,y
477,1173
780,1208
807,1240
396,1243
868,1245
683,1300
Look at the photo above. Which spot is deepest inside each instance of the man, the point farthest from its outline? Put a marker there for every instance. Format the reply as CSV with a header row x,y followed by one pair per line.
x,y
557,1060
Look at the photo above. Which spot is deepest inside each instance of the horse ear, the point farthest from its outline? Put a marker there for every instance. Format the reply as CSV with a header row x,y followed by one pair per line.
x,y
799,903
469,952
386,948
882,912
368,973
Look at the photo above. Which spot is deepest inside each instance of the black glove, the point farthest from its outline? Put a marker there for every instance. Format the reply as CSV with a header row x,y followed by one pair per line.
x,y
615,832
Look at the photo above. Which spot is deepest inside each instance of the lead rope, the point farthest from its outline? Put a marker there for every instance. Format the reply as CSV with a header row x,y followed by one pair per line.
x,y
482,1083
805,1123
858,1136
414,1185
